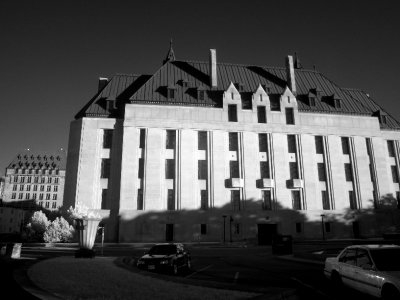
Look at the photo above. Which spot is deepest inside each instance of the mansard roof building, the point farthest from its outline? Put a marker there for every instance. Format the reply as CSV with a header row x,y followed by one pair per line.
x,y
35,181
214,151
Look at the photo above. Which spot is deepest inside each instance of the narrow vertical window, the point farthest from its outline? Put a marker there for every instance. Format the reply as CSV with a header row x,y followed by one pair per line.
x,y
105,168
264,169
294,171
171,139
104,199
234,169
345,145
233,141
348,172
171,200
352,200
232,113
391,151
319,145
202,140
395,175
107,138
204,199
235,200
261,114
140,199
289,115
142,138
262,142
321,172
267,200
169,169
202,169
325,200
291,143
141,168
296,202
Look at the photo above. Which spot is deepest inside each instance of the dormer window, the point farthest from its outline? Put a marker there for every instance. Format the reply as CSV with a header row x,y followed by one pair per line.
x,y
337,103
383,119
311,101
201,95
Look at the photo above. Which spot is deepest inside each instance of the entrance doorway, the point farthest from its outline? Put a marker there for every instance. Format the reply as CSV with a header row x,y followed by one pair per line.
x,y
169,232
266,233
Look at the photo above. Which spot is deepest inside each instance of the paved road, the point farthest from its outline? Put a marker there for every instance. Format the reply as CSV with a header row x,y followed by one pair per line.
x,y
251,269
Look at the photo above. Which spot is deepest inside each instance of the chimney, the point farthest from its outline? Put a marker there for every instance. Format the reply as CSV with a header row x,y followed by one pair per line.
x,y
102,83
290,74
213,68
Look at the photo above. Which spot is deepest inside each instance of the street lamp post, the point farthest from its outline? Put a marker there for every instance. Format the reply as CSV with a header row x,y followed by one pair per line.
x,y
230,228
224,227
323,227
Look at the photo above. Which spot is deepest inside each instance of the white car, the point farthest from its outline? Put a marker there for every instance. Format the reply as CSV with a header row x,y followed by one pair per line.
x,y
372,269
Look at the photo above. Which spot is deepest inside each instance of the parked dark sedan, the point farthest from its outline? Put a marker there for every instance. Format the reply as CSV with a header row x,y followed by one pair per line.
x,y
165,257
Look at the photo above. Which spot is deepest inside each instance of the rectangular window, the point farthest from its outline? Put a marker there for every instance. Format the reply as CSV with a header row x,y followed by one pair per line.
x,y
291,139
203,199
171,200
55,188
321,172
202,140
22,179
352,200
298,227
13,195
28,188
261,114
348,172
47,196
49,188
107,138
275,103
289,115
202,169
234,169
262,142
296,202
21,187
235,200
294,171
27,196
325,200
141,168
345,145
170,169
35,188
319,144
49,180
267,200
391,151
34,196
54,205
140,199
203,229
395,175
16,179
264,169
105,168
54,196
42,188
42,179
14,187
233,141
142,138
36,180
232,113
29,179
47,204
171,139
40,196
20,195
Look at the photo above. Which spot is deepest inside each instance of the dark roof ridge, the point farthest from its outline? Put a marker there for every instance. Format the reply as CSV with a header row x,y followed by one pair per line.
x,y
125,74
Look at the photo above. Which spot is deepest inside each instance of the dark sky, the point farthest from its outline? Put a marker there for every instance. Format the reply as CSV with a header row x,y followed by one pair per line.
x,y
53,52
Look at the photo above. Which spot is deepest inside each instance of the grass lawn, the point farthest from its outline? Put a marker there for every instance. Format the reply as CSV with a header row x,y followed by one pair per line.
x,y
100,278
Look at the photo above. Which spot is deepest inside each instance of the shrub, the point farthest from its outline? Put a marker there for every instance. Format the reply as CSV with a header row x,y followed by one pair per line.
x,y
37,226
58,231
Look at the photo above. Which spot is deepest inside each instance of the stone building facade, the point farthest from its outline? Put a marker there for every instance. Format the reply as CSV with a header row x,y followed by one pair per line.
x,y
35,181
219,152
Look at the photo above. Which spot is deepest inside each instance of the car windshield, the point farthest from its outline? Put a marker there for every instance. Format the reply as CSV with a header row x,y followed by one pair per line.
x,y
163,249
386,259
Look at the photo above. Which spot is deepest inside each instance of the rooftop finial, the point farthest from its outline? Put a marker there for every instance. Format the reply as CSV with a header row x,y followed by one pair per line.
x,y
170,54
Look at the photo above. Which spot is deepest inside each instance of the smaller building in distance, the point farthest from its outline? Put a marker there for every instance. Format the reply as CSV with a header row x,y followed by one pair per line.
x,y
35,181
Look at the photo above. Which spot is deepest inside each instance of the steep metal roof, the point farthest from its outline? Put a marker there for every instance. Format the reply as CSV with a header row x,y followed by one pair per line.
x,y
187,78
30,160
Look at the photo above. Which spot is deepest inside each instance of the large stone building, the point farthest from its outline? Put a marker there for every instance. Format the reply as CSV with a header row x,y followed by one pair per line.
x,y
213,151
35,181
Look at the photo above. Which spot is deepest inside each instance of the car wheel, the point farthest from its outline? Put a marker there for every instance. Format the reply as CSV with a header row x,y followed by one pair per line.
x,y
389,292
336,279
175,269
